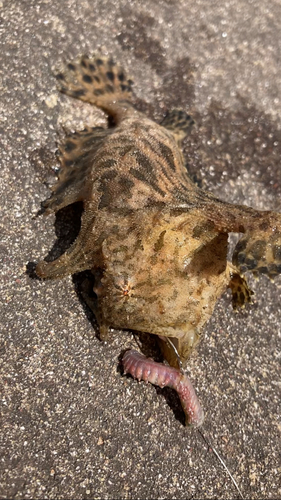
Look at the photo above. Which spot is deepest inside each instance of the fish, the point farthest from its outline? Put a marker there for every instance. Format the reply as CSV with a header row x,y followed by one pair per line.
x,y
155,242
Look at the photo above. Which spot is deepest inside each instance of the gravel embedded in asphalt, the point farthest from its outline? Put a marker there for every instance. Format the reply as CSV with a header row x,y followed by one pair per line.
x,y
72,426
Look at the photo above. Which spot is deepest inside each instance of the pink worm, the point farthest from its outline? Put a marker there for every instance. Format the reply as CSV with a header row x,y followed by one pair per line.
x,y
142,368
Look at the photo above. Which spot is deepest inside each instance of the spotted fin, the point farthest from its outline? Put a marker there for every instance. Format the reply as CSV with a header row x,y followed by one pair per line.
x,y
179,123
98,81
75,155
260,251
241,292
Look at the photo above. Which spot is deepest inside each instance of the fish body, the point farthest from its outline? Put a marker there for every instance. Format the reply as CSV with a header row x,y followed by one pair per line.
x,y
155,242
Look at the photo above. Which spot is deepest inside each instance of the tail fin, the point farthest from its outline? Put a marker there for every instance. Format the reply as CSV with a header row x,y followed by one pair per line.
x,y
98,81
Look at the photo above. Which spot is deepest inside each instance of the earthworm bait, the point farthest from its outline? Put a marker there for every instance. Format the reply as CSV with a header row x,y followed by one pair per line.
x,y
142,368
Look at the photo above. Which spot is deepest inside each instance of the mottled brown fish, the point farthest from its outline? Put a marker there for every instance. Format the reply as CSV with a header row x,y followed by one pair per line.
x,y
155,242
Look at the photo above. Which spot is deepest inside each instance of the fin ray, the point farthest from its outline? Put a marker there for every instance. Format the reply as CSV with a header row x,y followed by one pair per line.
x,y
179,123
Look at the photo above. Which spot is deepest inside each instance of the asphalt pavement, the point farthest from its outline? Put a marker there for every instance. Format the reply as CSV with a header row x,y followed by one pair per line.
x,y
72,426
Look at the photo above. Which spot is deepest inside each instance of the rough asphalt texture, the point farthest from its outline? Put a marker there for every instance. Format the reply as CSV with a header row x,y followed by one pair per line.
x,y
72,426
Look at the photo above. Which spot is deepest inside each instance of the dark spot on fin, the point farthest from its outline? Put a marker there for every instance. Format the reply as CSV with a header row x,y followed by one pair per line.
x,y
87,79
